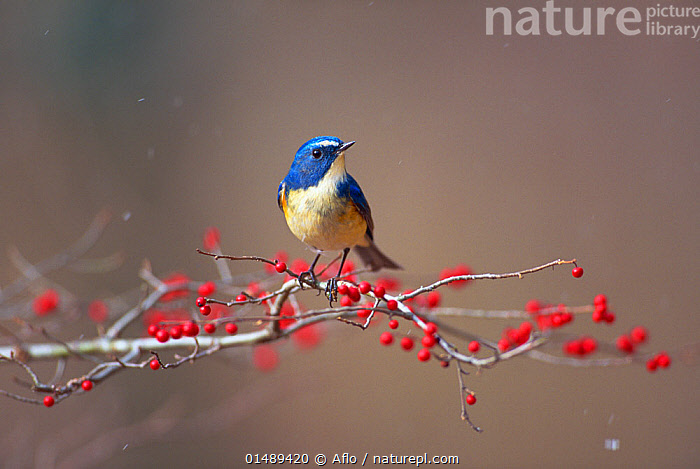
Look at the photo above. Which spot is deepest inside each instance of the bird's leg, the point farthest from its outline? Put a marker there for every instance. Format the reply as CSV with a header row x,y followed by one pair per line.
x,y
332,284
310,273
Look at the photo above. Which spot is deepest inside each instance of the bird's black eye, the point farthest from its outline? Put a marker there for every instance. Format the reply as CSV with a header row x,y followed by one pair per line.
x,y
316,153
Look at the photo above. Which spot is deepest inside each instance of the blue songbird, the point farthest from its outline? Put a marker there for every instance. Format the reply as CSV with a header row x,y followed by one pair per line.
x,y
326,209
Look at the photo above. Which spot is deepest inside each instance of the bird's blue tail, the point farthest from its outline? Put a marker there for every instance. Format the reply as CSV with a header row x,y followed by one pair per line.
x,y
375,259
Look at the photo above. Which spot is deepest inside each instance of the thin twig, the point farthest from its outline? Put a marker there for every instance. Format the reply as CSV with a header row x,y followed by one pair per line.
x,y
455,278
463,397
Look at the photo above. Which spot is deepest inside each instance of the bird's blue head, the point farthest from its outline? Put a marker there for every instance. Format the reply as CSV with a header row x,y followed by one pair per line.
x,y
313,161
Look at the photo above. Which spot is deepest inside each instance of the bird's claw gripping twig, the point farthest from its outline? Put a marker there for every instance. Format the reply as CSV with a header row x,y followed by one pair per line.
x,y
332,290
311,281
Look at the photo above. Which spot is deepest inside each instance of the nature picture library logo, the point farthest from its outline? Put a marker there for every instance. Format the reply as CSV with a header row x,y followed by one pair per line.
x,y
553,20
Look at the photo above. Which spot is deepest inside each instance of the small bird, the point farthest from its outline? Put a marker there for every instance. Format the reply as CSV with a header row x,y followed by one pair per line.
x,y
325,208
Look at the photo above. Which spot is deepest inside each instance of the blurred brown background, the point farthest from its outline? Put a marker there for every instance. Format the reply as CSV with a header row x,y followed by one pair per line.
x,y
502,152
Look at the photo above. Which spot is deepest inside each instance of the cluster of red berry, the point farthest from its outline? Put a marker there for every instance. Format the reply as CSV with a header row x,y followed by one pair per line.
x,y
581,346
601,312
512,337
407,342
548,316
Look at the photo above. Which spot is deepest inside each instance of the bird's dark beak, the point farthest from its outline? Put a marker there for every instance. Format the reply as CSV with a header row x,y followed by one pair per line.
x,y
345,146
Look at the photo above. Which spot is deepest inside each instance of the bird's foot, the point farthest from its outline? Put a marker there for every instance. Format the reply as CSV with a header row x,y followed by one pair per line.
x,y
310,282
332,290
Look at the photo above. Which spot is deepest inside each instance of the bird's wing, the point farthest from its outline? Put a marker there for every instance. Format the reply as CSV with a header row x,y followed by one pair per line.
x,y
353,191
280,195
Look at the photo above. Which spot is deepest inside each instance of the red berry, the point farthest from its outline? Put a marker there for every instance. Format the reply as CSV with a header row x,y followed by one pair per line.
x,y
299,266
544,321
588,344
345,301
46,302
280,267
610,317
600,299
389,283
343,289
393,324
624,344
348,267
210,328
638,334
573,347
98,311
533,306
598,316
566,317
153,329
176,332
386,338
154,364
525,328
190,329
211,238
86,385
652,363
364,313
364,287
379,291
200,301
392,305
205,310
428,341
444,363
663,360
49,401
206,289
253,288
162,336
265,357
430,328
474,346
503,345
470,399
460,270
556,320
177,285
354,293
434,298
424,355
231,328
406,343
241,298
577,272
511,335
261,294
445,273
308,337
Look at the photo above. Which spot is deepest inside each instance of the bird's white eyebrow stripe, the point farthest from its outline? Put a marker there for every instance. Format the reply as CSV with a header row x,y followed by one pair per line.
x,y
327,143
